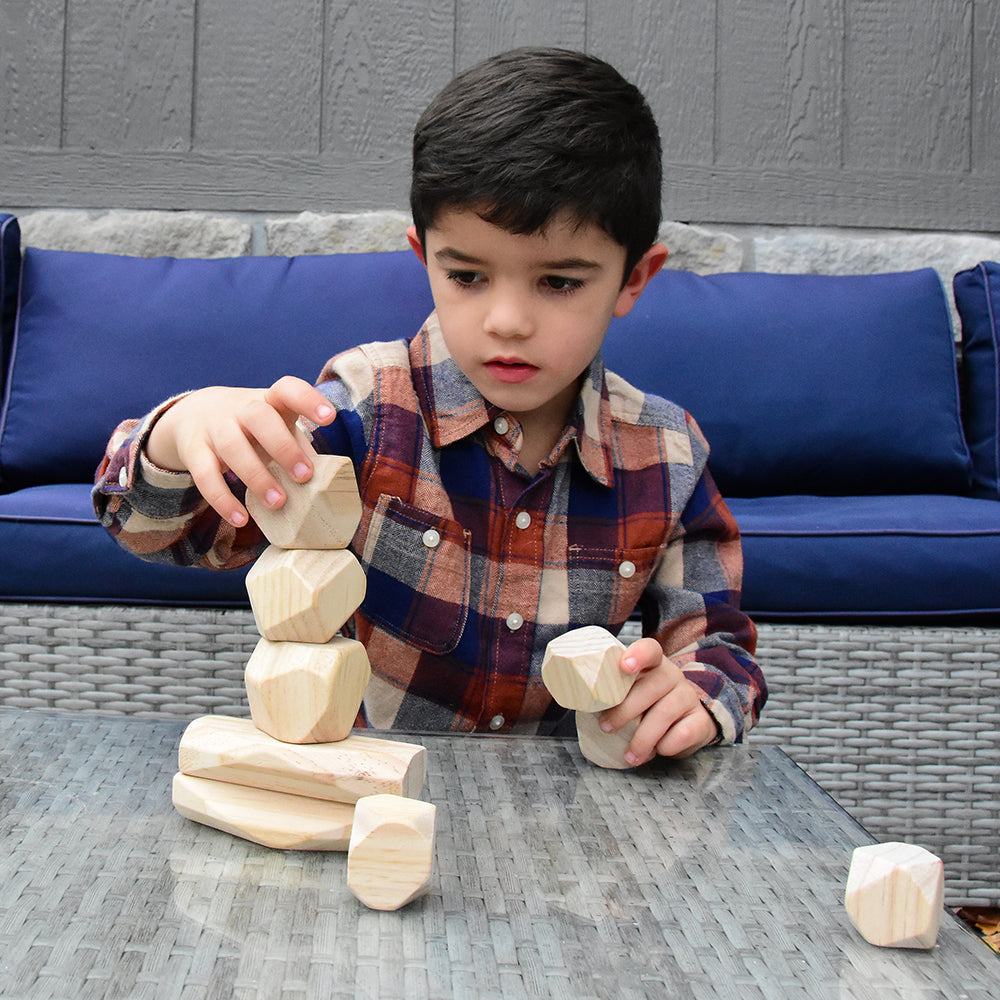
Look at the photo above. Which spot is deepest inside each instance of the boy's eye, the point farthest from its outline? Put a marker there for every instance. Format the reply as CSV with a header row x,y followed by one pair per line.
x,y
558,283
466,278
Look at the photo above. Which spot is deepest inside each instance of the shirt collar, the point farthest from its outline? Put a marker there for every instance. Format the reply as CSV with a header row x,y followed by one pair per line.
x,y
453,408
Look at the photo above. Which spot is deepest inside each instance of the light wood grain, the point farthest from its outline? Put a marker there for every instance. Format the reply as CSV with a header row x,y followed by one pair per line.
x,y
274,819
601,748
581,669
235,750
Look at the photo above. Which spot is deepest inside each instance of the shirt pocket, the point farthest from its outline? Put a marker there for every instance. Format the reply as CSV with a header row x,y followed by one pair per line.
x,y
605,585
418,568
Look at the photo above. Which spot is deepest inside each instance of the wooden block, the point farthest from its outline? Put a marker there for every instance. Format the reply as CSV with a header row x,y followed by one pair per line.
x,y
304,595
304,692
601,748
581,669
391,853
895,895
274,819
235,750
321,514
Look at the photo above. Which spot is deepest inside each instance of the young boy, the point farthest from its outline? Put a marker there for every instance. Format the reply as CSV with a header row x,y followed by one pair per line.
x,y
512,488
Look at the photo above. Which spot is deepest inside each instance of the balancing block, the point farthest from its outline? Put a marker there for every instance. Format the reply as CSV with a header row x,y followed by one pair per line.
x,y
581,669
391,854
304,595
895,895
305,692
601,748
323,513
235,750
274,819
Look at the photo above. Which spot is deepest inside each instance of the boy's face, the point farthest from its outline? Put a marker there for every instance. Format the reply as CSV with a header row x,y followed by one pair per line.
x,y
523,316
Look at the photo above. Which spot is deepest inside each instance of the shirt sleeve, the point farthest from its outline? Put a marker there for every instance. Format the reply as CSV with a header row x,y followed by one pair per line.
x,y
159,515
692,606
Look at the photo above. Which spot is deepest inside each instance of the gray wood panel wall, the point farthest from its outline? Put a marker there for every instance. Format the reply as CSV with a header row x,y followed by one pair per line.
x,y
818,112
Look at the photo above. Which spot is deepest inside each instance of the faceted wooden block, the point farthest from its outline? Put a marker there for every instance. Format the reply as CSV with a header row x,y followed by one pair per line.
x,y
323,513
895,895
235,750
391,853
601,748
581,669
305,692
304,595
274,819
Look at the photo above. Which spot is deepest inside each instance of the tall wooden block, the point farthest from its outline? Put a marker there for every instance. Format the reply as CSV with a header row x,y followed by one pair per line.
x,y
601,748
895,895
235,750
274,819
323,513
581,669
304,595
391,854
303,692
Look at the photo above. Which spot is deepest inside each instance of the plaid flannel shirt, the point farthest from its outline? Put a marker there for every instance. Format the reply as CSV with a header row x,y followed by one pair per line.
x,y
472,564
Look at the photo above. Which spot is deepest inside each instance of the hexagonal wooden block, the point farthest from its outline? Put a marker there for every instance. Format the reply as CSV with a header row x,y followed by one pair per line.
x,y
304,595
274,819
581,669
895,895
305,692
391,854
323,513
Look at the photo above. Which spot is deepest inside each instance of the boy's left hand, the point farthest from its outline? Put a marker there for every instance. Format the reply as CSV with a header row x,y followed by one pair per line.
x,y
675,723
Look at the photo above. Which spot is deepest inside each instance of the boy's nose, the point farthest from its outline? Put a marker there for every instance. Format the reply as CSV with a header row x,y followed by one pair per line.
x,y
508,316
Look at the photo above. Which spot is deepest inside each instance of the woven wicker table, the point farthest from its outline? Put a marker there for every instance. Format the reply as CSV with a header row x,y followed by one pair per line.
x,y
721,876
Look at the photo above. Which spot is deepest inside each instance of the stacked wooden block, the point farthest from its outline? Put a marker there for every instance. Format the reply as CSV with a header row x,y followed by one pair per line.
x,y
294,776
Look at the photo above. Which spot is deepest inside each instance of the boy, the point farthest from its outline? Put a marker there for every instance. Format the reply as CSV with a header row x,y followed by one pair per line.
x,y
512,489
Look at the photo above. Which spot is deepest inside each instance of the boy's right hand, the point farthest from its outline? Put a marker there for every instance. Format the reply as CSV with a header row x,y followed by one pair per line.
x,y
220,428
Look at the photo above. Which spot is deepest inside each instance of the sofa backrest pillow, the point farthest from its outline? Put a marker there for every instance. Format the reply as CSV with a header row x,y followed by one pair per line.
x,y
806,384
101,337
977,298
10,269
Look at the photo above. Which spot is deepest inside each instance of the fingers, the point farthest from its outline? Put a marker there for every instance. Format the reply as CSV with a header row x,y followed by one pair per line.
x,y
294,397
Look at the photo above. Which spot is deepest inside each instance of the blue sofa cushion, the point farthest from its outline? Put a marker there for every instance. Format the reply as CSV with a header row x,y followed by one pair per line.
x,y
869,557
977,297
101,337
806,383
10,269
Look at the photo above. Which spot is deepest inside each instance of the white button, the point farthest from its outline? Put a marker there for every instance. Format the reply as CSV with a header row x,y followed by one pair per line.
x,y
123,478
496,722
431,538
500,425
626,570
514,621
523,520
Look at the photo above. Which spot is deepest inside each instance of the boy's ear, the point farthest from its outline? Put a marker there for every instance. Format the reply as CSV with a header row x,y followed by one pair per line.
x,y
418,248
649,264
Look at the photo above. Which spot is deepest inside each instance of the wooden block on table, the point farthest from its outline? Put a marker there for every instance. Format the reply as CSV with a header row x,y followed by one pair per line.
x,y
391,853
235,750
323,513
895,895
581,669
304,692
601,748
274,819
304,595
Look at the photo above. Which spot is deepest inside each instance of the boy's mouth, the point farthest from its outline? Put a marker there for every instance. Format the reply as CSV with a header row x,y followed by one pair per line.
x,y
510,369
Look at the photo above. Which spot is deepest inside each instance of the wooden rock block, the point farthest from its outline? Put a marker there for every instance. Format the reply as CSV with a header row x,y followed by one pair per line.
x,y
303,692
323,513
274,819
601,748
581,670
235,750
391,853
895,895
304,595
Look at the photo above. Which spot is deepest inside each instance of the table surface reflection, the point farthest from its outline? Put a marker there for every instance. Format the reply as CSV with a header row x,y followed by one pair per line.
x,y
721,876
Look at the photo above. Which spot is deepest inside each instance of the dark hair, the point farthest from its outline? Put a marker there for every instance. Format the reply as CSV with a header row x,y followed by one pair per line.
x,y
533,131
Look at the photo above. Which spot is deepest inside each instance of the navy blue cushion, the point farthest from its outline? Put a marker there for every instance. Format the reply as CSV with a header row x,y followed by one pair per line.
x,y
10,269
806,383
892,556
977,296
81,562
101,337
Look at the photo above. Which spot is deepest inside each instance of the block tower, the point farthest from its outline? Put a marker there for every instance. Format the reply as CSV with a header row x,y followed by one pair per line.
x,y
294,776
